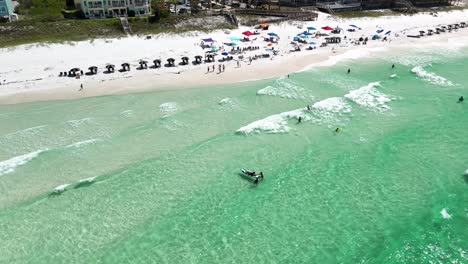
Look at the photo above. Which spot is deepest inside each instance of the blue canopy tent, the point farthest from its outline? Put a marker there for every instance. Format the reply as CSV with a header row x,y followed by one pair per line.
x,y
375,37
354,26
208,40
388,32
311,28
312,43
271,34
234,38
224,53
380,31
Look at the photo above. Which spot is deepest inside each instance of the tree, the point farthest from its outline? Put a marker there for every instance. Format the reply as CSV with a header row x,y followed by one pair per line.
x,y
195,6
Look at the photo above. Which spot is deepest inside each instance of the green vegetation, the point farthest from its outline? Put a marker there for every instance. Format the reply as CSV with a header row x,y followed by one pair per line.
x,y
357,14
30,31
43,21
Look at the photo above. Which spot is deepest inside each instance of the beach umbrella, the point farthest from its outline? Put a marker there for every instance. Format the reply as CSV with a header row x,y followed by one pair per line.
x,y
224,53
311,28
388,32
234,38
208,40
272,34
354,26
312,43
327,28
270,44
380,31
247,33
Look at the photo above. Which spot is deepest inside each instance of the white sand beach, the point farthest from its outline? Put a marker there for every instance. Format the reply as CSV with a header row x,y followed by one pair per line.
x,y
31,72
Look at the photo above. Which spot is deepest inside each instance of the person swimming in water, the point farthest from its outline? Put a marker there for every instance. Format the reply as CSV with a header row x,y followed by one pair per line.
x,y
461,99
299,119
349,71
393,66
337,130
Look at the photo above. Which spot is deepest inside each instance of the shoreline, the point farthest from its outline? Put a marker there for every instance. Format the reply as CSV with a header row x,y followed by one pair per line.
x,y
64,88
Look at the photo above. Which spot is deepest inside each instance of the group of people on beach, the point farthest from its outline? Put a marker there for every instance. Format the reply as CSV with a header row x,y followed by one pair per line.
x,y
221,68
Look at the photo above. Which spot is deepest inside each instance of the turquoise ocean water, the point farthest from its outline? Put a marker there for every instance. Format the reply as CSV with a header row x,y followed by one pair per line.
x,y
388,188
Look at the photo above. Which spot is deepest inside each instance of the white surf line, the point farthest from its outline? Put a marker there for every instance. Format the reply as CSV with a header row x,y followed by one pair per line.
x,y
430,76
10,165
24,130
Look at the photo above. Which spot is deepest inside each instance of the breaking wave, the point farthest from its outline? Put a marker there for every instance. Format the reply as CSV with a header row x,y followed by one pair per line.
x,y
9,166
168,109
324,111
27,130
228,102
272,124
82,143
284,87
430,77
78,122
369,97
445,214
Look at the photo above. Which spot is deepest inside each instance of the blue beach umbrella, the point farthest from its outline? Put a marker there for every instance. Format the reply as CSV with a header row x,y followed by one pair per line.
x,y
272,34
234,38
354,26
224,53
312,43
388,32
311,28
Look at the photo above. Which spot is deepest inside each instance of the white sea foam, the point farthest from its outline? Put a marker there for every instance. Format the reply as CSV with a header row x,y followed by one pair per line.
x,y
369,97
284,87
323,111
430,77
8,166
87,180
61,188
445,214
127,113
78,122
466,172
333,104
82,143
228,102
168,109
272,124
393,76
27,130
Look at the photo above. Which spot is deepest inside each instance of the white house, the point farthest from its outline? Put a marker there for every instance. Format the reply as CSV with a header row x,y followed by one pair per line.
x,y
113,8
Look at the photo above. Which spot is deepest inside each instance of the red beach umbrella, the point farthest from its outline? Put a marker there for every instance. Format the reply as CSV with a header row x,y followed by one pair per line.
x,y
327,28
247,33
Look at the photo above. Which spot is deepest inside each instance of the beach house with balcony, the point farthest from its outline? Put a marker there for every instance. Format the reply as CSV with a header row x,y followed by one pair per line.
x,y
7,10
113,8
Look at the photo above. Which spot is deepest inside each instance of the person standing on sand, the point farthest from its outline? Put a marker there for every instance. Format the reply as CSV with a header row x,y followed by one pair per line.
x,y
224,68
81,87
